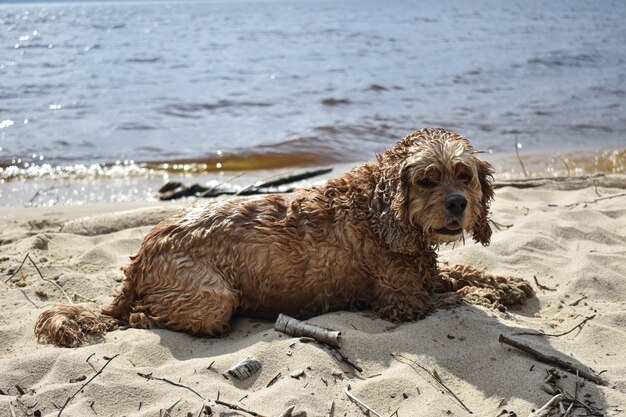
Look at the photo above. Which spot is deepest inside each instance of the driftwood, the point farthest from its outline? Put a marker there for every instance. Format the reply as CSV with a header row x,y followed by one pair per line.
x,y
551,360
297,328
175,190
246,368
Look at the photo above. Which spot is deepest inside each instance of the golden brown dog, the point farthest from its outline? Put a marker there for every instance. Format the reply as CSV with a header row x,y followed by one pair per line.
x,y
364,240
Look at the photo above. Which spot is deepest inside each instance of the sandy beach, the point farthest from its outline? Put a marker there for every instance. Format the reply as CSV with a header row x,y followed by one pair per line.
x,y
569,243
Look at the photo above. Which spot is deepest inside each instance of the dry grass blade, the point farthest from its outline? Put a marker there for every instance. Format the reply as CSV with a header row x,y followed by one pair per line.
x,y
433,374
27,257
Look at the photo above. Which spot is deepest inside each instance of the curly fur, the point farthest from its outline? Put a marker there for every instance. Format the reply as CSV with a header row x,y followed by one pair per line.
x,y
364,240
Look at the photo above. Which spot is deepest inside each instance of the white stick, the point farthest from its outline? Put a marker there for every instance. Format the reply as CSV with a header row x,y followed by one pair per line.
x,y
545,410
299,328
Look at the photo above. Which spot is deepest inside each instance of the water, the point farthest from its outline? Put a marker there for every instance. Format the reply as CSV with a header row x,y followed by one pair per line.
x,y
262,84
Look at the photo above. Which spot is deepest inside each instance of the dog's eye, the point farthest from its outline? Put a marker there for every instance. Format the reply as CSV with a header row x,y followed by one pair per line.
x,y
425,182
464,176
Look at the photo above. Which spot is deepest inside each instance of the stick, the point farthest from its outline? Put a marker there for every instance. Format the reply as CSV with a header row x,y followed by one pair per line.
x,y
581,324
288,412
11,409
360,403
437,379
246,368
86,383
299,328
236,407
335,352
545,410
543,287
551,360
278,375
150,377
596,200
40,275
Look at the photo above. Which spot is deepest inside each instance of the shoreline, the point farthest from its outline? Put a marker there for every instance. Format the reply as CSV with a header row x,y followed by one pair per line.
x,y
133,183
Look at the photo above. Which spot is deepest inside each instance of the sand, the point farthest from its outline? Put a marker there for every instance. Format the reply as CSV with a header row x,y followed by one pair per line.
x,y
576,249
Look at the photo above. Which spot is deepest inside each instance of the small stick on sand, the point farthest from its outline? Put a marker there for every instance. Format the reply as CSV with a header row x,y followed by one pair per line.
x,y
85,384
40,275
436,377
273,381
299,328
11,409
246,368
335,352
288,412
546,410
543,287
579,325
361,403
236,407
551,360
149,377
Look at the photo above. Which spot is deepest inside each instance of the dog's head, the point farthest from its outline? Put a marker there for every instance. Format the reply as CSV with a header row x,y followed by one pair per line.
x,y
433,188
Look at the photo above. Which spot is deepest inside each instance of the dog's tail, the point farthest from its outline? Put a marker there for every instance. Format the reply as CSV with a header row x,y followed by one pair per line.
x,y
73,325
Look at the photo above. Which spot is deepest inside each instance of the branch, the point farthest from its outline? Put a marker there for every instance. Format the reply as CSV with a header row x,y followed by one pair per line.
x,y
85,384
551,360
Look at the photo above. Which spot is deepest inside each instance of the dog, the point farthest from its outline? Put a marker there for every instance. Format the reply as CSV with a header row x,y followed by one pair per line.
x,y
365,240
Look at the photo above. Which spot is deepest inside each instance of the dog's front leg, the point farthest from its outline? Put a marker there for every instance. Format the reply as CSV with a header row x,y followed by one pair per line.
x,y
400,301
473,283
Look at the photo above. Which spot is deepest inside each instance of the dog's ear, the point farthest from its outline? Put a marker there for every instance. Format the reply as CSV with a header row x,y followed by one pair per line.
x,y
481,231
390,200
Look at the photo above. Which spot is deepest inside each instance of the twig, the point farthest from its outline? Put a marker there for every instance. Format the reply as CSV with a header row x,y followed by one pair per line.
x,y
335,352
543,287
84,297
575,303
85,384
581,324
11,409
236,407
40,275
201,410
360,403
545,410
436,377
278,375
551,360
297,328
517,146
150,377
500,226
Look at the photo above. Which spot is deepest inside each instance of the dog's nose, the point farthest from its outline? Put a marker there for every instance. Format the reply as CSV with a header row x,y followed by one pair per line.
x,y
456,204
